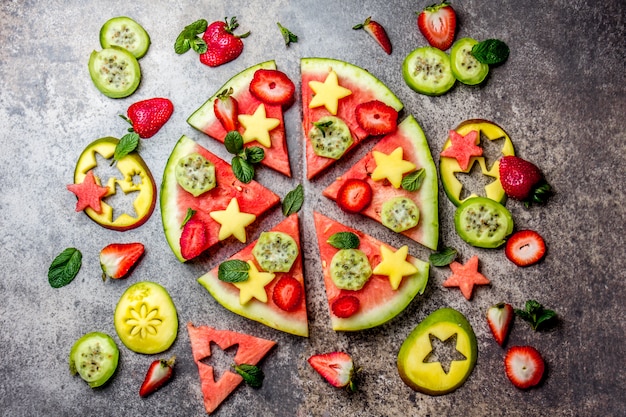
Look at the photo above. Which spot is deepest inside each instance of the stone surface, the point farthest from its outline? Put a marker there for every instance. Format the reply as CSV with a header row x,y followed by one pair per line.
x,y
560,96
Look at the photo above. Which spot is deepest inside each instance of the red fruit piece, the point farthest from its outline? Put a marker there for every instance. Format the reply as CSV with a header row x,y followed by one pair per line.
x,y
226,110
273,87
287,293
345,306
336,367
466,277
117,259
354,195
438,25
377,31
462,148
89,193
525,248
148,116
499,318
376,118
522,180
158,374
524,366
193,239
222,45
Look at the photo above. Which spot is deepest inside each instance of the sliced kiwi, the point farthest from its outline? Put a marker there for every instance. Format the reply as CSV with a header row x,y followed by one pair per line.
x,y
94,357
330,137
427,71
114,71
465,67
400,214
125,32
275,251
350,269
483,222
195,174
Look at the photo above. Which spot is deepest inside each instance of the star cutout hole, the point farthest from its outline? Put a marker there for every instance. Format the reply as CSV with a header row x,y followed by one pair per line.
x,y
474,182
492,149
444,352
221,359
122,202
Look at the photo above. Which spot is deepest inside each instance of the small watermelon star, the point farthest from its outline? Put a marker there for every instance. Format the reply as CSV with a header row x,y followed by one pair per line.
x,y
89,193
466,276
462,148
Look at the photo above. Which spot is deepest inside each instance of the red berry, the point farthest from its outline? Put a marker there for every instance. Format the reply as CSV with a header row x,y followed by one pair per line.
x,y
522,180
335,367
376,118
377,31
222,45
499,318
158,374
287,294
226,110
524,366
272,87
345,306
149,116
193,239
525,248
354,195
438,25
117,259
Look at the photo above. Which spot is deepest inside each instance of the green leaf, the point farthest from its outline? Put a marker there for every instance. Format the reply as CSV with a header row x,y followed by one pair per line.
x,y
251,374
254,154
535,314
344,240
443,257
322,126
292,203
491,51
414,180
188,216
126,145
243,170
233,271
234,142
188,39
288,36
64,267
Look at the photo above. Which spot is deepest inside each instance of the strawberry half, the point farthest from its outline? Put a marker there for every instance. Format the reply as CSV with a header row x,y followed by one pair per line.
x,y
117,259
376,118
354,195
273,87
438,25
148,116
287,293
524,366
345,306
226,110
499,318
193,239
158,374
336,367
525,248
522,180
377,31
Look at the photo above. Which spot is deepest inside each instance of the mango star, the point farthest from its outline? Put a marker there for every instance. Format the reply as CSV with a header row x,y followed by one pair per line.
x,y
465,277
391,167
254,286
89,193
328,93
258,126
395,265
233,222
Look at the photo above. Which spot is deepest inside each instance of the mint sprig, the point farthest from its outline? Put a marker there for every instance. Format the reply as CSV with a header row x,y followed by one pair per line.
x,y
127,144
251,374
188,38
344,240
245,158
188,216
414,180
535,314
64,267
444,257
233,270
491,51
288,36
292,203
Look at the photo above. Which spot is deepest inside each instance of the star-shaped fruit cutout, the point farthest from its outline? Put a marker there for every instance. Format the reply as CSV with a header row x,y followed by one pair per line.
x,y
233,222
462,148
254,286
89,193
395,265
258,126
328,93
391,167
466,276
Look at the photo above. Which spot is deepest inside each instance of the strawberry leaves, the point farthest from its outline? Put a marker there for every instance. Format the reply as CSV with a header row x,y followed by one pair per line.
x,y
245,158
188,38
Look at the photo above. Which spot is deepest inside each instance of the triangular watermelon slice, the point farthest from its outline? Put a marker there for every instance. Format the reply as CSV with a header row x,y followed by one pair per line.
x,y
175,202
364,87
204,119
294,321
250,350
379,303
411,138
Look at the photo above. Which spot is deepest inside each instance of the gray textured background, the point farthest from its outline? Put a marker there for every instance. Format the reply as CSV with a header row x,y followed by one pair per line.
x,y
560,96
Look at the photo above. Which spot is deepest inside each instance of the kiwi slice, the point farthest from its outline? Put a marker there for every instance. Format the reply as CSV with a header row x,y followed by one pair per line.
x,y
427,70
465,67
275,251
195,174
114,71
125,32
94,357
400,214
483,222
350,269
330,137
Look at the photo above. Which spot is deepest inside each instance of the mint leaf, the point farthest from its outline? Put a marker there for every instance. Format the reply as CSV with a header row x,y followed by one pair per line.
x,y
535,314
188,216
491,51
188,39
233,271
243,170
288,36
234,142
443,257
292,203
127,144
254,154
344,240
414,180
251,374
64,267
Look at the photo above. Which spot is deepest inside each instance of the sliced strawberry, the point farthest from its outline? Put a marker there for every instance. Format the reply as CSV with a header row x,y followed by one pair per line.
x,y
438,25
524,366
376,118
462,148
158,374
193,239
287,293
336,367
377,31
525,248
117,259
149,116
273,87
226,110
345,306
89,193
522,180
499,318
354,195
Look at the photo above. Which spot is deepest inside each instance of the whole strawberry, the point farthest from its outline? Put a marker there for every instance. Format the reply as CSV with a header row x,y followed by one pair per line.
x,y
222,44
148,116
523,181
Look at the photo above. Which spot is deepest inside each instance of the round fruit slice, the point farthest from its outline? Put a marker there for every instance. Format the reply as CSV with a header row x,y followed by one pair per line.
x,y
195,174
275,251
425,373
94,357
330,137
145,318
114,71
399,214
465,67
483,223
427,70
125,32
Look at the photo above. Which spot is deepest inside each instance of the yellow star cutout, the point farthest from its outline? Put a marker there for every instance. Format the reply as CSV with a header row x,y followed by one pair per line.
x,y
258,126
233,222
391,167
328,93
395,265
254,286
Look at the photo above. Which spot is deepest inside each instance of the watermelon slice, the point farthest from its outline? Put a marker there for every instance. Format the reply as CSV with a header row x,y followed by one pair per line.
x,y
250,350
364,87
378,302
410,137
175,202
204,119
295,321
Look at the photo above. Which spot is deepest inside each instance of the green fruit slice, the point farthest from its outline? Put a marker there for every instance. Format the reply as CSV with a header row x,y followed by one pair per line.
x,y
94,357
145,318
275,251
330,137
400,214
350,269
483,223
195,174
114,71
427,70
465,67
125,32
429,376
